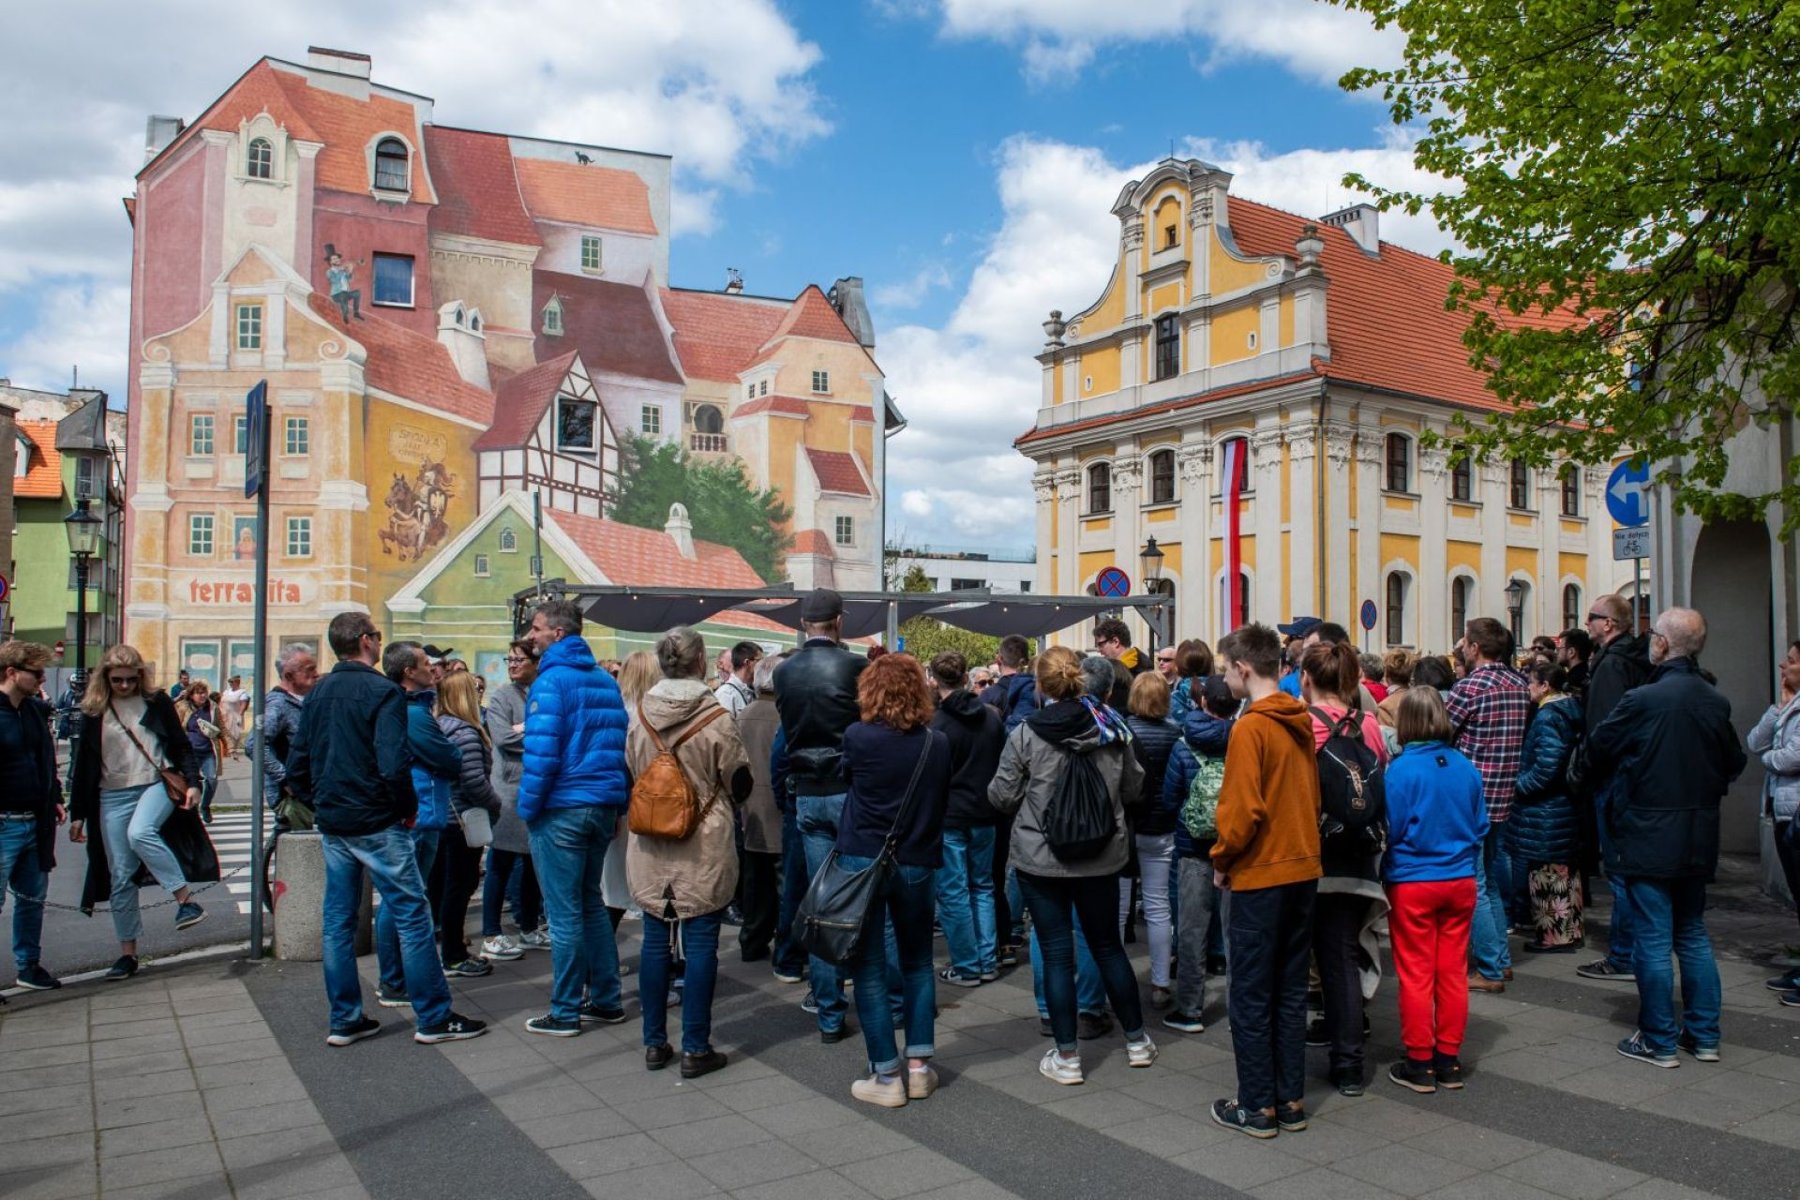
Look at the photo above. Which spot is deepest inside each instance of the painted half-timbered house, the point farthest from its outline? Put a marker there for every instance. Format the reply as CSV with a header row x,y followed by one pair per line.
x,y
550,435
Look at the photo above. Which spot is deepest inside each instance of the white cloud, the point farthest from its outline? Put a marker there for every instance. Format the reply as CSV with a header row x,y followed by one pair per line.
x,y
78,325
909,293
1058,38
915,503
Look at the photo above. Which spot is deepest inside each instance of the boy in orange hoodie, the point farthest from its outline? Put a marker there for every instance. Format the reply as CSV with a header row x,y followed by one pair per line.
x,y
1267,854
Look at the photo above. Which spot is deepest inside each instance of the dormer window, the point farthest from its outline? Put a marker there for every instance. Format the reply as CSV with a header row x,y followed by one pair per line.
x,y
590,252
1171,236
553,322
575,424
259,159
393,163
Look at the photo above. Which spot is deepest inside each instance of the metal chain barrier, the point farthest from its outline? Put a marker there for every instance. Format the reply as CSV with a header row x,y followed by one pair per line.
x,y
193,890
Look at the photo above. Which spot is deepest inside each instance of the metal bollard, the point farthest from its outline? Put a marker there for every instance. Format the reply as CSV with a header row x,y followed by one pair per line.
x,y
297,879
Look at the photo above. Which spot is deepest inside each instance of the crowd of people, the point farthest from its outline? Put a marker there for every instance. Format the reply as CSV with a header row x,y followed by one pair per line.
x,y
1265,810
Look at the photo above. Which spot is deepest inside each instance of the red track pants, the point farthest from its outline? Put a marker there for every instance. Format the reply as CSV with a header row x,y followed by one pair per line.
x,y
1429,925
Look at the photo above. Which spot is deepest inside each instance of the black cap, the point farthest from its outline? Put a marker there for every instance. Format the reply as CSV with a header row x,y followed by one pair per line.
x,y
434,655
821,605
1300,626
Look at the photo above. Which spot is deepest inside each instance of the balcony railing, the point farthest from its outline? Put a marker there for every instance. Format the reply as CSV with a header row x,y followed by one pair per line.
x,y
707,443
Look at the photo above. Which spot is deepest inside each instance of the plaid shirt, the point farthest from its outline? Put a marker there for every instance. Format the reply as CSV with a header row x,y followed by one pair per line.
x,y
1489,710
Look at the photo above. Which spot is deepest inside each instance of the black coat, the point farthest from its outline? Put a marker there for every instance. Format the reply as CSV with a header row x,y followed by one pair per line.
x,y
34,722
183,831
815,691
351,756
1153,741
1668,752
1545,825
976,736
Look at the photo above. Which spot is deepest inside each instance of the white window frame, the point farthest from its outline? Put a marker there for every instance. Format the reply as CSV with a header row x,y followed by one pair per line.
x,y
297,531
202,527
553,318
650,419
821,383
252,160
590,241
296,431
248,334
843,530
202,434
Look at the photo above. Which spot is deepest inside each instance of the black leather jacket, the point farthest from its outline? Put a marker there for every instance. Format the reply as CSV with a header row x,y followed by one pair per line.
x,y
815,692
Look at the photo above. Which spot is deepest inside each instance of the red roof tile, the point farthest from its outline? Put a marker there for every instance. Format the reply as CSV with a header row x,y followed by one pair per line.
x,y
716,334
412,366
838,472
43,473
612,324
812,316
599,197
813,541
787,405
520,402
478,193
258,90
628,554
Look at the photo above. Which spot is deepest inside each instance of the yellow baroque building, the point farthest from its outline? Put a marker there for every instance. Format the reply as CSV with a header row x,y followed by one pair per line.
x,y
1328,352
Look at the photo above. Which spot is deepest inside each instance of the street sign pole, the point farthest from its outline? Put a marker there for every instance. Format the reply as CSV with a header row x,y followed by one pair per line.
x,y
256,483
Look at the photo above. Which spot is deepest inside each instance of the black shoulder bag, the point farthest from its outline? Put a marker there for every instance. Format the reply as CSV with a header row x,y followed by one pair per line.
x,y
829,922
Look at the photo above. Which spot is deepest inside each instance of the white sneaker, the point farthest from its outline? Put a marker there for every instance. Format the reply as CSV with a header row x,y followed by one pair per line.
x,y
872,1090
1140,1054
1057,1069
537,939
503,948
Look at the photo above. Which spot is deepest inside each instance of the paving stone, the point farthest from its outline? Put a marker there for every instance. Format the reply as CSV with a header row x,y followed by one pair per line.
x,y
546,1100
749,1165
665,1181
196,1187
671,1110
749,1095
1243,1162
1662,1189
141,1110
157,1166
606,1156
1404,1170
970,1189
1483,1149
819,1185
849,1143
52,1122
60,1150
163,1039
1169,1134
302,1141
154,1083
1319,1184
17,1102
804,1116
51,1183
904,1173
1488,1187
293,1177
705,1136
267,1118
1100,1110
156,1135
34,1055
568,1128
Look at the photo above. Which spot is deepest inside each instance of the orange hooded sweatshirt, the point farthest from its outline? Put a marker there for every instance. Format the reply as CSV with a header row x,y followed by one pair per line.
x,y
1268,815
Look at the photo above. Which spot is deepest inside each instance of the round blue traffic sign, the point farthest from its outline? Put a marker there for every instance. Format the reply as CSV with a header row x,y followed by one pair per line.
x,y
1113,582
1627,494
5,587
1368,614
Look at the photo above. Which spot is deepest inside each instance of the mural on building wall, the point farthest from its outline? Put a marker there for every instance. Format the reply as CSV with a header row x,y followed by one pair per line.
x,y
418,499
339,276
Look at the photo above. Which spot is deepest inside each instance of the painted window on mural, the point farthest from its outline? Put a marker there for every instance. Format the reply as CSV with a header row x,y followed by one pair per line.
x,y
299,537
249,327
650,419
296,436
240,434
200,534
846,531
394,279
590,252
391,166
481,566
574,424
509,541
821,381
553,325
200,433
259,160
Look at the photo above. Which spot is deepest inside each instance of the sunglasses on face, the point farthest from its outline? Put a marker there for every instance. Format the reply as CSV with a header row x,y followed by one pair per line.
x,y
122,680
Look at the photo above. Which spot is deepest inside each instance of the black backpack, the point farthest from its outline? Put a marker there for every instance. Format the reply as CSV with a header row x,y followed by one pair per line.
x,y
1078,822
1352,789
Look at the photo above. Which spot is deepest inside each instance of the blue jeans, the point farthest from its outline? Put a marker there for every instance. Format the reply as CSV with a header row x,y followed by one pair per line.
x,y
1090,994
818,821
390,960
1620,948
904,906
700,959
209,781
788,956
510,879
131,821
1015,904
392,862
1056,904
965,899
1669,917
1487,932
568,847
19,871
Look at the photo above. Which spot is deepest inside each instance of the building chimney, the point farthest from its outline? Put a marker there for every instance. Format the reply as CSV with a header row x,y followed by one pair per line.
x,y
343,62
680,531
846,296
460,329
159,132
1360,221
734,282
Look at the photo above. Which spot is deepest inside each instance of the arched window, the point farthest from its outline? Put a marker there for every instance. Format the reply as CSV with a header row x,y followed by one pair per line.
x,y
1572,616
708,420
1399,463
392,166
1162,477
1099,478
1571,491
1396,608
553,317
1168,346
1459,607
1462,476
509,541
1519,493
1244,609
259,159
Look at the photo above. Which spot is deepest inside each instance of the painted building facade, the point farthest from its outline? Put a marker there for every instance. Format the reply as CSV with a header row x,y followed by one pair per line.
x,y
1319,355
445,318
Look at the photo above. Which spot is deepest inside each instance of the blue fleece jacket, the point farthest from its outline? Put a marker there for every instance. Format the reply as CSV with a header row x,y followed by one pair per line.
x,y
435,762
574,735
1436,817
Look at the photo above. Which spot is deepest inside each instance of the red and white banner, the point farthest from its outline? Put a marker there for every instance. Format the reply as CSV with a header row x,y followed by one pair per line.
x,y
1232,476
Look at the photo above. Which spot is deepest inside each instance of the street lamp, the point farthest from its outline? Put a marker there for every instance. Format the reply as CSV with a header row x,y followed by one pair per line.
x,y
1515,604
1152,558
83,528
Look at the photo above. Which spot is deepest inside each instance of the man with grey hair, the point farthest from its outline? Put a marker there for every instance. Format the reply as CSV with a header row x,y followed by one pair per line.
x,y
1098,678
298,670
1671,746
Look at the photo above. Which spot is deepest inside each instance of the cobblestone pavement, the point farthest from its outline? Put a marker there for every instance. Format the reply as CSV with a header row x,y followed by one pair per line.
x,y
212,1080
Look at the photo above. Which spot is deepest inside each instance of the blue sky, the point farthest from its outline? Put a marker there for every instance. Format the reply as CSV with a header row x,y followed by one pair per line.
x,y
960,155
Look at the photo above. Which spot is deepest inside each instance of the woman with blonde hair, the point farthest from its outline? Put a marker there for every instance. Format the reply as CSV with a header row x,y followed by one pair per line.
x,y
135,784
475,805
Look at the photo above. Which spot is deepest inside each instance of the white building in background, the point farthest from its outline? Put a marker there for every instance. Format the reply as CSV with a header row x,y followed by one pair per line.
x,y
961,572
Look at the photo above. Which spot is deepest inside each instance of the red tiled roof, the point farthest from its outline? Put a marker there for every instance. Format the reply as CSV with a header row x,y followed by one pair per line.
x,y
717,334
599,197
838,472
1225,393
813,541
43,473
776,404
412,366
628,554
812,316
478,194
612,324
520,402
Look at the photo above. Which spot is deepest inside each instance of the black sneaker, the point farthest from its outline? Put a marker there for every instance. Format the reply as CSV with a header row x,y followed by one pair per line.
x,y
1636,1047
1449,1071
1348,1083
189,915
454,1028
1290,1119
1215,964
392,997
368,1027
593,1014
1232,1115
657,1057
1414,1074
832,1037
1089,1026
1184,1022
956,978
470,968
1691,1044
35,978
1007,956
1603,969
125,968
1790,999
1783,983
551,1026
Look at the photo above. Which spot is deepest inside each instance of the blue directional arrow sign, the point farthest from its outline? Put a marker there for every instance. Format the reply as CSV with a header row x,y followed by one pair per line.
x,y
1628,495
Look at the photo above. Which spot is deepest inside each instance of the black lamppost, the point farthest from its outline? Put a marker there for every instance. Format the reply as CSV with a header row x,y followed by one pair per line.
x,y
1152,557
1515,604
83,528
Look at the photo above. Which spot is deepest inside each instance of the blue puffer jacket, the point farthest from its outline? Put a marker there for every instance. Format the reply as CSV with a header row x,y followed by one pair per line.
x,y
1545,828
1207,734
435,762
574,735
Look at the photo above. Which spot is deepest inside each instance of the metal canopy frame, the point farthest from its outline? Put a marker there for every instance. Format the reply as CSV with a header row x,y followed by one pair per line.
x,y
979,610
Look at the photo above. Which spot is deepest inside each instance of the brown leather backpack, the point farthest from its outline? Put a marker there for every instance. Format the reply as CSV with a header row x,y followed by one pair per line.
x,y
663,801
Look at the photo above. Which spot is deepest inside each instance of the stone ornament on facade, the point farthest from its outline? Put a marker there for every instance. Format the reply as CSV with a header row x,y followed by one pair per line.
x,y
1127,474
1303,445
1043,485
1134,233
1337,443
1195,462
1068,485
1435,460
1265,450
1370,447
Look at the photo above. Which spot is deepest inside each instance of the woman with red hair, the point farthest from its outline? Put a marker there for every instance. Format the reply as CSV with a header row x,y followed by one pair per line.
x,y
898,772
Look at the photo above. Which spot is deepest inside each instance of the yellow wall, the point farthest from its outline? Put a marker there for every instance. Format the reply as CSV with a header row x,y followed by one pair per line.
x,y
1231,333
1571,564
1160,516
1168,296
1399,504
1092,563
1110,312
1286,326
1463,554
1520,521
1102,366
1230,273
1521,560
1097,525
406,443
1402,546
1464,512
1573,528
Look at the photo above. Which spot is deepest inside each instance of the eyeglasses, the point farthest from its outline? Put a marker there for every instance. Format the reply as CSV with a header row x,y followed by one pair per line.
x,y
1598,617
374,633
513,660
35,672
